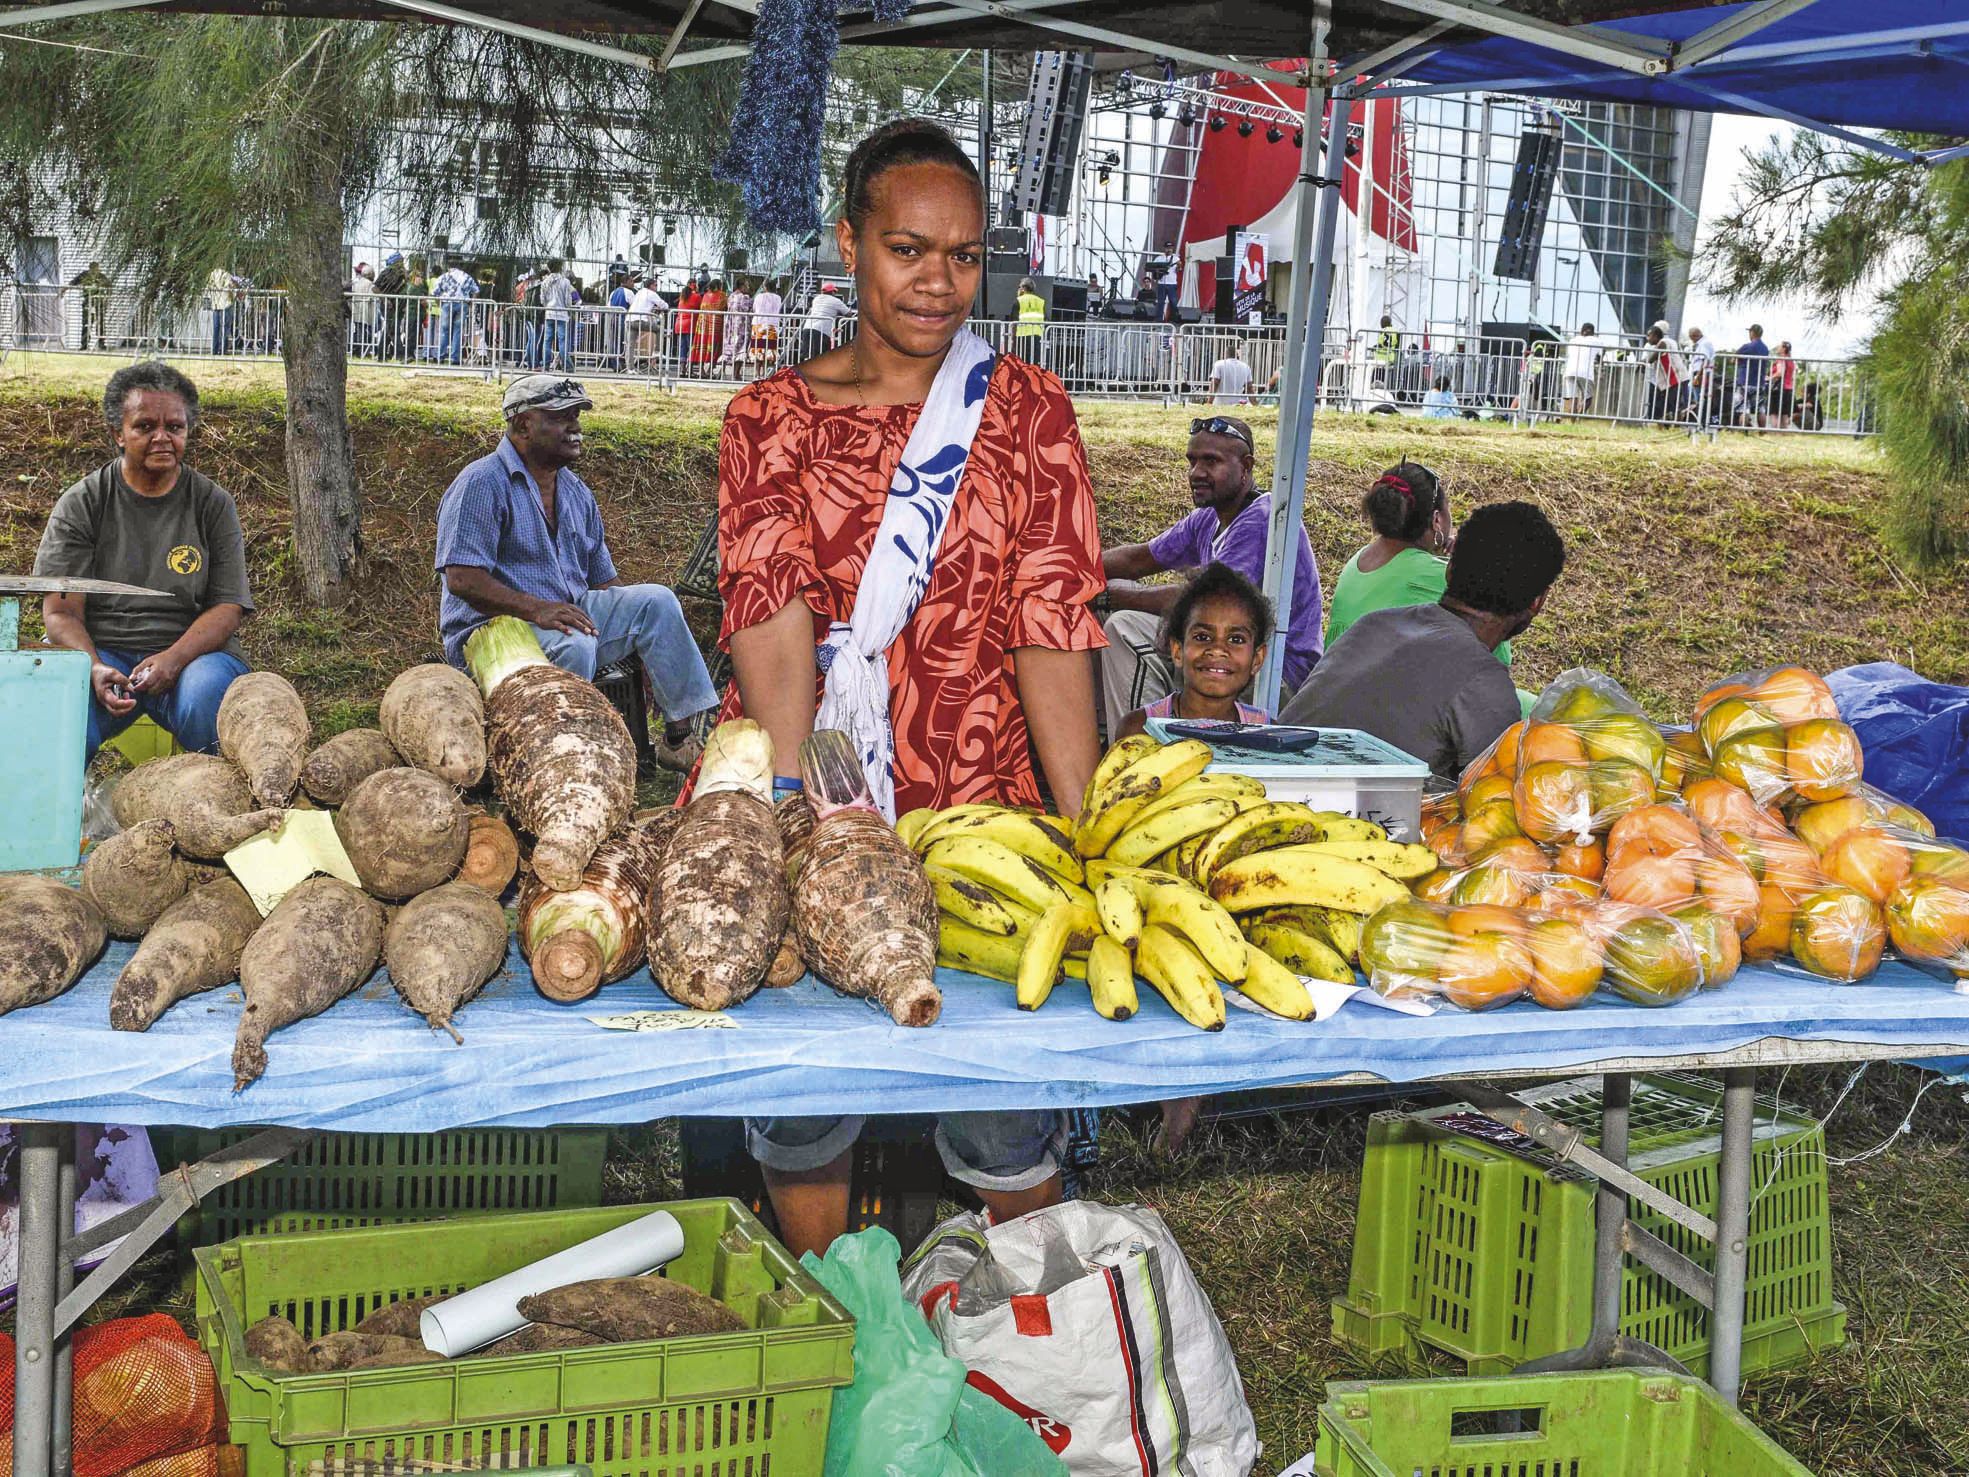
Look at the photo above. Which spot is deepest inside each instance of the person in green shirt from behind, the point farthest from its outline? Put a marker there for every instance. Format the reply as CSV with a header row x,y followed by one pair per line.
x,y
1407,561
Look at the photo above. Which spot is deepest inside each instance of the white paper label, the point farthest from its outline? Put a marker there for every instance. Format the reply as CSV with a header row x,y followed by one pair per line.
x,y
666,1020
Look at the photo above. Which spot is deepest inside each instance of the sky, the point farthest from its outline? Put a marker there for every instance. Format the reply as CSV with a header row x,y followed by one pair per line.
x,y
1732,138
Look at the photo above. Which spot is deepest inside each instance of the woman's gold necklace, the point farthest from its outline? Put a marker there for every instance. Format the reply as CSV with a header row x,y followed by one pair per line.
x,y
854,356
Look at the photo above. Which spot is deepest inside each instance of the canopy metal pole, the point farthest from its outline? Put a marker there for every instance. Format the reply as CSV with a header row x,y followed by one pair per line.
x,y
1300,386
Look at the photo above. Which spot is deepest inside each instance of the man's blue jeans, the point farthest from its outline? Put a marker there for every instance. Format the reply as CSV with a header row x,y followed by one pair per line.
x,y
222,330
451,331
647,620
189,712
553,344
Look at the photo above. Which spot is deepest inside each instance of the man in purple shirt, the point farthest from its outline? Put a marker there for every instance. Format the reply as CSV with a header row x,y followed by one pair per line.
x,y
1231,524
519,533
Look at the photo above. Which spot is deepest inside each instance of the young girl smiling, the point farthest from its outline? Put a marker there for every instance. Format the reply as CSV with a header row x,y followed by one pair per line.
x,y
1216,634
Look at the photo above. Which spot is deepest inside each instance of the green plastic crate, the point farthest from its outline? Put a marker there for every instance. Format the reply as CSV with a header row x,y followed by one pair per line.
x,y
1603,1423
1487,1254
751,1402
342,1180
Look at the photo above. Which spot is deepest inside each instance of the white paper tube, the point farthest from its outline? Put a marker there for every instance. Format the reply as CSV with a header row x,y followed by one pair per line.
x,y
476,1318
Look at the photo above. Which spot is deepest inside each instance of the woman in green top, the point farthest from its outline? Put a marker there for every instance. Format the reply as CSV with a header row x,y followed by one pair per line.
x,y
1407,561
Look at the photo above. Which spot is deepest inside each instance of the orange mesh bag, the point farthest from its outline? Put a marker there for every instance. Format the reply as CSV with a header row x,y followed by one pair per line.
x,y
143,1393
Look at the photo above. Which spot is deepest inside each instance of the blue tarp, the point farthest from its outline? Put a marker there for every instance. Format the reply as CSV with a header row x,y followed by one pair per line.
x,y
369,1064
1916,737
1899,64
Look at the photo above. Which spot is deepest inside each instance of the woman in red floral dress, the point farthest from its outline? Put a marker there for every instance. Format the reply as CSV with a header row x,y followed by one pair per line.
x,y
994,664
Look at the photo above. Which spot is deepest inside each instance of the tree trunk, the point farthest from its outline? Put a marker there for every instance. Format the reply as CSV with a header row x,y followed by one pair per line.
x,y
321,472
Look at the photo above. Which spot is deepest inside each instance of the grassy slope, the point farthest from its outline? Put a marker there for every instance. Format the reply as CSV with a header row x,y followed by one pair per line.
x,y
1686,563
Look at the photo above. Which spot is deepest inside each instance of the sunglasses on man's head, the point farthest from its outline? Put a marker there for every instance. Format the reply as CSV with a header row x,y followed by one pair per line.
x,y
1218,425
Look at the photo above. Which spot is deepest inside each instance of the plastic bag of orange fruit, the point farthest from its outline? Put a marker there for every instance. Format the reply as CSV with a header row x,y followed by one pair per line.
x,y
1918,885
1586,756
1660,857
1777,734
1480,956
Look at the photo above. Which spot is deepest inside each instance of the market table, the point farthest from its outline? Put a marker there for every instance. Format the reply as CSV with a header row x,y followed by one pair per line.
x,y
370,1065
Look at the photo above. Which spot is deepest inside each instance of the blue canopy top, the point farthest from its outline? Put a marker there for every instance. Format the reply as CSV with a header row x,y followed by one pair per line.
x,y
1824,64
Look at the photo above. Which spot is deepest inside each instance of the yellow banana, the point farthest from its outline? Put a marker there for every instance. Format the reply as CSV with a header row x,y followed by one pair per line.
x,y
1059,823
1275,823
913,823
960,946
1180,976
1111,979
1295,878
1001,869
1300,952
1123,753
1154,774
1186,855
1405,861
1241,790
1027,834
1145,840
1183,909
1342,930
975,904
1275,986
1120,913
1046,948
1336,825
918,836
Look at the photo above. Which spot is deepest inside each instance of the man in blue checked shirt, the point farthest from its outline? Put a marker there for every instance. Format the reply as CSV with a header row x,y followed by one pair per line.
x,y
520,534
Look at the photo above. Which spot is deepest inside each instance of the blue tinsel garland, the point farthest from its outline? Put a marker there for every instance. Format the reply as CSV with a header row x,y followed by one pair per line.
x,y
774,153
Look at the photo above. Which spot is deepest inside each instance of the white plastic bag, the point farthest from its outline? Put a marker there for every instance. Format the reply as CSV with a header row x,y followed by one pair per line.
x,y
1086,1321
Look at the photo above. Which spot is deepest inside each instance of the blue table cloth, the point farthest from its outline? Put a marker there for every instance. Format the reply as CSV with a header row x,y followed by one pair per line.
x,y
369,1064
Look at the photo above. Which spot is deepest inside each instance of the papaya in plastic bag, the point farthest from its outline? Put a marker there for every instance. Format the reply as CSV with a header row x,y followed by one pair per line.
x,y
1778,734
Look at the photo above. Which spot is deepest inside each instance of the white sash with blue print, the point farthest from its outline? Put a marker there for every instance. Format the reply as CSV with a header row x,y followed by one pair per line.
x,y
854,656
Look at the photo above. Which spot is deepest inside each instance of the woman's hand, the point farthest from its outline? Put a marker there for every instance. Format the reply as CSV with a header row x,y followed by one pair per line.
x,y
112,688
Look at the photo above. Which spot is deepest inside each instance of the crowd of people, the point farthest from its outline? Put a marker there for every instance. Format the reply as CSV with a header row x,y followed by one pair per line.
x,y
908,549
709,325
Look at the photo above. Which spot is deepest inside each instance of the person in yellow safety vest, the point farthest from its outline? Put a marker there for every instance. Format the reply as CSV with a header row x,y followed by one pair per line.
x,y
1032,322
1387,348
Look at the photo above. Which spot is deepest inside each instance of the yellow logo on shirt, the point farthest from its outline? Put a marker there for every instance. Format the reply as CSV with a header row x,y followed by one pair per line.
x,y
184,559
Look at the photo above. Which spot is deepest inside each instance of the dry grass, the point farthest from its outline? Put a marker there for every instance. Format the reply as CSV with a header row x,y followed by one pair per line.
x,y
1686,562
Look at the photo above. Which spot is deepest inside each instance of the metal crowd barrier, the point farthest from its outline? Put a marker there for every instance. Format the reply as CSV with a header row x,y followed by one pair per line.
x,y
1608,379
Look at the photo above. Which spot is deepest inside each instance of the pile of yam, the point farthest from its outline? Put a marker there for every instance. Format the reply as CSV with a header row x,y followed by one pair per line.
x,y
582,1315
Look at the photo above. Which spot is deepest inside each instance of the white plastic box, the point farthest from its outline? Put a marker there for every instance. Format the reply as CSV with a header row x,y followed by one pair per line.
x,y
1339,769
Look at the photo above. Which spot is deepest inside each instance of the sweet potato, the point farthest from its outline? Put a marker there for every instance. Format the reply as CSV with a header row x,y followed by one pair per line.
x,y
404,830
538,1338
194,946
278,1344
204,797
722,887
589,936
345,761
134,876
351,1350
435,718
492,853
619,1309
441,948
263,728
401,1318
319,943
49,934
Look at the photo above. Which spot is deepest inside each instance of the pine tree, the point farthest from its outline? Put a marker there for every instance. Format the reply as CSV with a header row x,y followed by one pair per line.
x,y
201,141
1845,226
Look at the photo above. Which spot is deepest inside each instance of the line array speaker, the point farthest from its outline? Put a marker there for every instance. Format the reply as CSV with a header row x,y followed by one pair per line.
x,y
1530,200
1056,112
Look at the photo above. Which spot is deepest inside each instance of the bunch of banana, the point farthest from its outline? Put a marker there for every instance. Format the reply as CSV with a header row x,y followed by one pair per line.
x,y
1180,877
